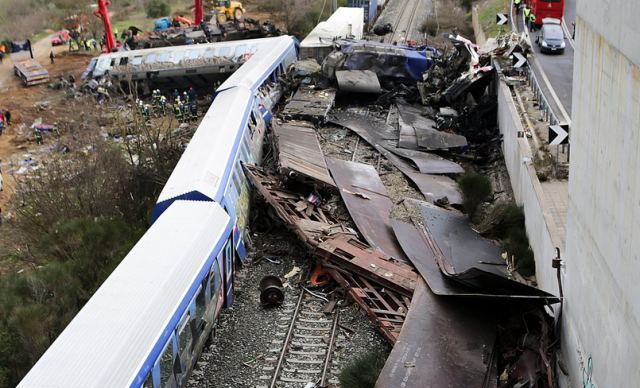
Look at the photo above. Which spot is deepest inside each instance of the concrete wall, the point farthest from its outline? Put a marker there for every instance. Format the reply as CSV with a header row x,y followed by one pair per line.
x,y
527,191
602,283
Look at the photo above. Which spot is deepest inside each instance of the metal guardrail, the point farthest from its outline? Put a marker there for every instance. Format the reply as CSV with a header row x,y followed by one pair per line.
x,y
534,84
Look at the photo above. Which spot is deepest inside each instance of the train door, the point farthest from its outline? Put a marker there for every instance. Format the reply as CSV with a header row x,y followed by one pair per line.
x,y
229,260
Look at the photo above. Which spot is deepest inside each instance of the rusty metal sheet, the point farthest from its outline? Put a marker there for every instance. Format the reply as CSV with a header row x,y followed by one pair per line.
x,y
300,153
310,104
433,187
469,259
358,81
445,342
427,136
348,252
311,223
385,308
368,203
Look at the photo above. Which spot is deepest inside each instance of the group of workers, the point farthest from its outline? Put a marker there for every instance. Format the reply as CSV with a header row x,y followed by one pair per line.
x,y
185,105
529,16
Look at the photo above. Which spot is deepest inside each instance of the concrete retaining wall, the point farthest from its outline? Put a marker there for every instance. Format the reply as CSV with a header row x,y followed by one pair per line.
x,y
527,190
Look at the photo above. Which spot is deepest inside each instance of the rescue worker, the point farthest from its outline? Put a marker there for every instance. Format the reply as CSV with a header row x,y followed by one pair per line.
x,y
527,12
38,133
51,57
517,3
194,110
185,98
532,21
163,104
145,111
177,111
7,117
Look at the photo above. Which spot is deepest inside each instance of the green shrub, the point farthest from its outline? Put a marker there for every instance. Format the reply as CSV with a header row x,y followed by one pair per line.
x,y
506,222
363,371
476,188
157,8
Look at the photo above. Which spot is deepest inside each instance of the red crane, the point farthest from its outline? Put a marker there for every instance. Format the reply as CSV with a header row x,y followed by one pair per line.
x,y
198,16
103,13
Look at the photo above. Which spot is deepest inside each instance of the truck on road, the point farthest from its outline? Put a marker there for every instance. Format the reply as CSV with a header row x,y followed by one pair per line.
x,y
30,71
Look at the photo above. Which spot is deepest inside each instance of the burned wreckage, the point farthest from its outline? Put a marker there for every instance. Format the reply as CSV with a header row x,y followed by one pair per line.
x,y
456,311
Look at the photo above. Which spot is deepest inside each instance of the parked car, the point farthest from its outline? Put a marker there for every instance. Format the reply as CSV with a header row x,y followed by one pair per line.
x,y
551,36
60,38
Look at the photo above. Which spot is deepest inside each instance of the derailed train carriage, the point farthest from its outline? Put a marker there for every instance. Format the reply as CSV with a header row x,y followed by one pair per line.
x,y
148,322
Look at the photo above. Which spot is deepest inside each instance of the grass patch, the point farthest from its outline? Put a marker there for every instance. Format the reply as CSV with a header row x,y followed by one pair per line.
x,y
363,372
487,15
476,188
505,221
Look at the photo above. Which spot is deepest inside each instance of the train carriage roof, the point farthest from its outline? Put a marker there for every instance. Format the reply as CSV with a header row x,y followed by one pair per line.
x,y
205,165
126,320
262,63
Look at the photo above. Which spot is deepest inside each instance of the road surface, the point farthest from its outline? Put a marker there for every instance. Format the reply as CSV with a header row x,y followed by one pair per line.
x,y
555,72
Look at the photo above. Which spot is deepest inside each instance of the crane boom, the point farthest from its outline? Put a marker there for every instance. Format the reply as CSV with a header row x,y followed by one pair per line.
x,y
103,13
198,11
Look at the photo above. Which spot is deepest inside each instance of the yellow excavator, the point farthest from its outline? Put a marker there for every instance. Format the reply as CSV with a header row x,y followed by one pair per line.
x,y
228,10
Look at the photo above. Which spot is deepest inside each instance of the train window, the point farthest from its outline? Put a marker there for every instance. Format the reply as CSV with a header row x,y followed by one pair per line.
x,y
226,52
150,58
240,51
136,60
228,256
201,303
124,61
185,336
166,366
113,62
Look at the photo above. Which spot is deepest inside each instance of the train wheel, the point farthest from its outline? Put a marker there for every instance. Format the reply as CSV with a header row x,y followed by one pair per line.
x,y
237,14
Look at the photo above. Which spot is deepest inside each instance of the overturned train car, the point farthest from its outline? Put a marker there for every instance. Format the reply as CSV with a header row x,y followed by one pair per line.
x,y
148,322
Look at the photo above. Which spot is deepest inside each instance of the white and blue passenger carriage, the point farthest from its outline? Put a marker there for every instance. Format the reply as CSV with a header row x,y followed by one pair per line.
x,y
147,324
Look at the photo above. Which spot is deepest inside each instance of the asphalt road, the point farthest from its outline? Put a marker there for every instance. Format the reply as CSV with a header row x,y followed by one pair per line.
x,y
555,71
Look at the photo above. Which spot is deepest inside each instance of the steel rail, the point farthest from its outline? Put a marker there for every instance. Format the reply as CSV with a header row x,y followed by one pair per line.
x,y
329,351
287,339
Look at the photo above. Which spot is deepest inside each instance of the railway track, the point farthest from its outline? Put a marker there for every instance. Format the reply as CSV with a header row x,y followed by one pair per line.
x,y
403,24
304,345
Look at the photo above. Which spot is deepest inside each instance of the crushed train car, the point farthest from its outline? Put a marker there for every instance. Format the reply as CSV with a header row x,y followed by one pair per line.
x,y
386,60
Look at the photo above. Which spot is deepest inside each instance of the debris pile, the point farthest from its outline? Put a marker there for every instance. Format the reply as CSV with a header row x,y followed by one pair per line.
x,y
419,270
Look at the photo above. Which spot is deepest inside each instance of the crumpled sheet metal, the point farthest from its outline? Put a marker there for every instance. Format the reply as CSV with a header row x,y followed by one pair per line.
x,y
351,254
433,187
445,342
313,224
427,136
300,153
428,163
469,259
310,104
385,308
368,203
386,60
358,81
